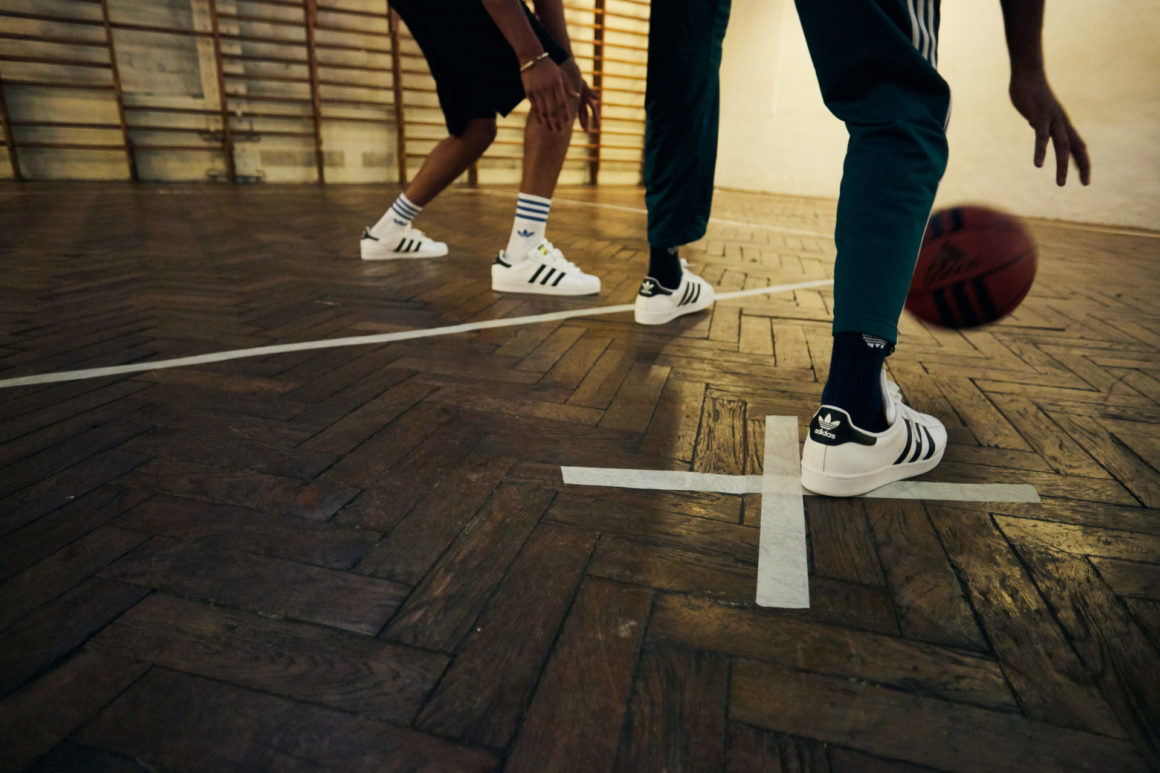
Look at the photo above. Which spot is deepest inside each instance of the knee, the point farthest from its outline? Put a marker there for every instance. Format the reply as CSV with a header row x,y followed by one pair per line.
x,y
480,134
919,144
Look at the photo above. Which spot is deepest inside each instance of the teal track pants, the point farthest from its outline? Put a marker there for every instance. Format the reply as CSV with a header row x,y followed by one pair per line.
x,y
682,99
875,63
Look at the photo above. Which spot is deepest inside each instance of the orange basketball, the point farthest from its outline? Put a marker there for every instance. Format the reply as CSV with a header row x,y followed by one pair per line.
x,y
975,266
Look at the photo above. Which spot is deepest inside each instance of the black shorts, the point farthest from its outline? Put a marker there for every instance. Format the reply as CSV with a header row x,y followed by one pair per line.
x,y
476,72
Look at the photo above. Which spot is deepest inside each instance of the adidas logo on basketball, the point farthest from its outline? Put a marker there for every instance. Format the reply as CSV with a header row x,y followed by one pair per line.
x,y
826,426
948,262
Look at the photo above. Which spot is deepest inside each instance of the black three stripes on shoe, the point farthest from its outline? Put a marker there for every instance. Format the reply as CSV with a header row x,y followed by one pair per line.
x,y
548,276
915,444
692,293
404,245
408,245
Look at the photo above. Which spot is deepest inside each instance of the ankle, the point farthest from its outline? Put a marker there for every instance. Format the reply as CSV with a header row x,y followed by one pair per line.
x,y
855,380
664,265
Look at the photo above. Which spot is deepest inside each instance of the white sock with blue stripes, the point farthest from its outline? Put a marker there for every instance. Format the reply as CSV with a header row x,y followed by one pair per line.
x,y
529,227
399,216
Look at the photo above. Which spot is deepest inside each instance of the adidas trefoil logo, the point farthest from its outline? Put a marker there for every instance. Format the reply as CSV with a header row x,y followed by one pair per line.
x,y
525,234
826,426
650,287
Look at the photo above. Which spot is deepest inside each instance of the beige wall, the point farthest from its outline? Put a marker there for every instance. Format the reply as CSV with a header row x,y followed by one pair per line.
x,y
170,89
1102,60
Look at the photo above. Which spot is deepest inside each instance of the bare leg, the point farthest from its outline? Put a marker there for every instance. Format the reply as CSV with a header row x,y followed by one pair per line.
x,y
450,158
544,155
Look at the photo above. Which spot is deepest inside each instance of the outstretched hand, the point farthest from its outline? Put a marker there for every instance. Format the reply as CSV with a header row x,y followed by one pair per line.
x,y
1036,102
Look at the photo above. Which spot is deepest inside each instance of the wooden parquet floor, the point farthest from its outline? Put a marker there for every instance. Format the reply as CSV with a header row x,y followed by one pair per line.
x,y
365,558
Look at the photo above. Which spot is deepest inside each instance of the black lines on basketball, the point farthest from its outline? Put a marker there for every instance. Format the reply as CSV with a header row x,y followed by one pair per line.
x,y
975,266
986,304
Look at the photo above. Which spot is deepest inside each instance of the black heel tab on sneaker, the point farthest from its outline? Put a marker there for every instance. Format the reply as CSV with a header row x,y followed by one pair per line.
x,y
832,427
650,287
368,235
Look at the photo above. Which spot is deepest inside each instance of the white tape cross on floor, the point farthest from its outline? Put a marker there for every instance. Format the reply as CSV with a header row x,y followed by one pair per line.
x,y
782,579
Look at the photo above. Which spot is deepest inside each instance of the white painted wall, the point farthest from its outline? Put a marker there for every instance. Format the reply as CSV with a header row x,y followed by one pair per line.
x,y
1102,60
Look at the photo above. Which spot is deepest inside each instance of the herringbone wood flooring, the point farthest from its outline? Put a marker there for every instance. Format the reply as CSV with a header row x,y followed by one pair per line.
x,y
364,558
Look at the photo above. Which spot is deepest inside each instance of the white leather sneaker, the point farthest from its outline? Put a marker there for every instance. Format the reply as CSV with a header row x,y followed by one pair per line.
x,y
656,305
544,271
402,243
841,460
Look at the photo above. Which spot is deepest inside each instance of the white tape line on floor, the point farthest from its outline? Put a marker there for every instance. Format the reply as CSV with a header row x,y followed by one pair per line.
x,y
679,480
782,572
378,338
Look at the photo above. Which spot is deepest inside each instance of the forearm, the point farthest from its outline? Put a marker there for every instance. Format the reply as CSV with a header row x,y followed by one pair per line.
x,y
551,15
1023,24
509,16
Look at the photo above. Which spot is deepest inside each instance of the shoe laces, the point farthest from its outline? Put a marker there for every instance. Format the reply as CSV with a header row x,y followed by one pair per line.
x,y
905,411
410,232
554,257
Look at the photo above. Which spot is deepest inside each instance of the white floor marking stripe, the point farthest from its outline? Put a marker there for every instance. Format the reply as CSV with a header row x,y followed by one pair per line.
x,y
679,480
766,291
662,480
378,338
782,572
957,492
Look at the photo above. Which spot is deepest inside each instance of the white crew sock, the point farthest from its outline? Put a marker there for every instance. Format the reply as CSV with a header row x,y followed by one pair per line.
x,y
399,216
529,227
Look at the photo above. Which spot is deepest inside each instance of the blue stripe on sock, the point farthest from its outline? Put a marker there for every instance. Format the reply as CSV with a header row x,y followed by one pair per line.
x,y
522,216
404,210
533,205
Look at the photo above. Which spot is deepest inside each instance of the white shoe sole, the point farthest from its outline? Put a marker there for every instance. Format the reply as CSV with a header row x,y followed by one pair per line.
x,y
644,317
835,485
373,254
501,286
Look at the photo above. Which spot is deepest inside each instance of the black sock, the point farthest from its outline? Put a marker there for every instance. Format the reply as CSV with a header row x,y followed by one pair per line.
x,y
664,265
855,383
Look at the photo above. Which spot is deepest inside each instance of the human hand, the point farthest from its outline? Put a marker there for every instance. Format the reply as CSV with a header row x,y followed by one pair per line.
x,y
589,99
548,93
1036,102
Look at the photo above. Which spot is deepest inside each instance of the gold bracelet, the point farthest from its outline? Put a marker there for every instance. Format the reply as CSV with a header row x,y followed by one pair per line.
x,y
533,61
